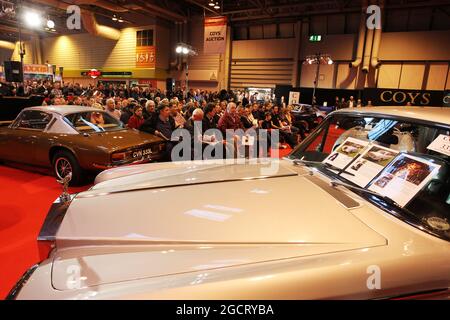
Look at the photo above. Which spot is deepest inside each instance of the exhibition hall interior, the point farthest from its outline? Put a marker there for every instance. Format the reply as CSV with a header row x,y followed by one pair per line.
x,y
225,150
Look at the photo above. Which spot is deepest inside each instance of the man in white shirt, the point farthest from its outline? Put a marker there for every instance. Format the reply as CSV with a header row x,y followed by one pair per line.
x,y
111,108
351,103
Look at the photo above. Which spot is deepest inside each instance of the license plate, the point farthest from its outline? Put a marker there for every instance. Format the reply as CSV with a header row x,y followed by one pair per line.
x,y
144,153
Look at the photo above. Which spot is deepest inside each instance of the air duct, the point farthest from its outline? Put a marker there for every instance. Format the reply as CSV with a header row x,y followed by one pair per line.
x,y
375,63
7,45
362,33
102,4
87,18
368,48
91,26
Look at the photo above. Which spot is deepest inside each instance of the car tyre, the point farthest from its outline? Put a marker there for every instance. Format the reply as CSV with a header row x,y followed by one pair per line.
x,y
64,162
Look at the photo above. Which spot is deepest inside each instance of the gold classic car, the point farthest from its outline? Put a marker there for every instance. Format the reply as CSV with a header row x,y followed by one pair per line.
x,y
309,226
73,139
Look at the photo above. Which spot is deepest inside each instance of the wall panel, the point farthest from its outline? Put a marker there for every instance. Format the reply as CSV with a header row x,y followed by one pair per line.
x,y
263,49
346,77
412,76
389,75
265,73
326,74
404,46
437,76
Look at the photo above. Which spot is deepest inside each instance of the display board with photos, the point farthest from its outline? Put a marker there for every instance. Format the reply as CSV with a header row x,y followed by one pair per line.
x,y
388,172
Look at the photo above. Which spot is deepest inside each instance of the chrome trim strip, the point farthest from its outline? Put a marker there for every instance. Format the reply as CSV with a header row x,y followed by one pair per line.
x,y
100,193
12,295
340,196
53,220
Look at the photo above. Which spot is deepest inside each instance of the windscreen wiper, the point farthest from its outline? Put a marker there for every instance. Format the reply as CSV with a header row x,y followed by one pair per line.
x,y
329,166
335,183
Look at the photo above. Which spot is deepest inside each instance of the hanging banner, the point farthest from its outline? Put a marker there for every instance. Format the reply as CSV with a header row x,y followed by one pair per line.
x,y
145,57
215,39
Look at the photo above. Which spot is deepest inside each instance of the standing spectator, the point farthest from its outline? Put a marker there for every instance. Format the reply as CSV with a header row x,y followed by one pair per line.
x,y
343,104
136,120
337,103
351,103
359,103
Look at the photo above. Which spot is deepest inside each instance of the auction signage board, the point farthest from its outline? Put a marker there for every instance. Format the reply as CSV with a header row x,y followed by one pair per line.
x,y
215,38
145,57
294,98
152,83
400,97
37,69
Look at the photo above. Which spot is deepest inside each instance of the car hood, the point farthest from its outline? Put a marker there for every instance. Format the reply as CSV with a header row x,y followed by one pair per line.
x,y
121,139
200,218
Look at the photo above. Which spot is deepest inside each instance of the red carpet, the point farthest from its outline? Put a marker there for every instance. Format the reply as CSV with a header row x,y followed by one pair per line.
x,y
25,200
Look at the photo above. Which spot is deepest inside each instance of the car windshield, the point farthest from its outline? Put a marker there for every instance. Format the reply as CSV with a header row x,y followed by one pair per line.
x,y
405,161
93,121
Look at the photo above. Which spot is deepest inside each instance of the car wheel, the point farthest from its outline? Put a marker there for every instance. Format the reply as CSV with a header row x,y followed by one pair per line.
x,y
64,162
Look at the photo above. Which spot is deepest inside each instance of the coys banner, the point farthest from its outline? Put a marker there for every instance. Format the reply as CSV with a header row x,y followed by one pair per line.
x,y
215,35
400,97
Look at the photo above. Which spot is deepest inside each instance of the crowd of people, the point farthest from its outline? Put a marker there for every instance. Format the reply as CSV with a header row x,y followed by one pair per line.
x,y
160,113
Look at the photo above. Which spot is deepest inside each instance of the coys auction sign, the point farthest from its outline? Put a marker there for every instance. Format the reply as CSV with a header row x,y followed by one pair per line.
x,y
398,97
215,35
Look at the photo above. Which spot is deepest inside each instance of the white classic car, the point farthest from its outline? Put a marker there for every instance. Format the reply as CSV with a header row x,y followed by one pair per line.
x,y
294,228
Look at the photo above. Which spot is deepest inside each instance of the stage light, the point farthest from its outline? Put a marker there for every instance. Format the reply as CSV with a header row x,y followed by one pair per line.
x,y
120,20
32,19
185,50
179,49
211,4
50,24
216,6
330,61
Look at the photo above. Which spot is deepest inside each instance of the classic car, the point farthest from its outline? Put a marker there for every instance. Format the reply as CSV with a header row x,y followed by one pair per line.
x,y
73,139
306,112
218,230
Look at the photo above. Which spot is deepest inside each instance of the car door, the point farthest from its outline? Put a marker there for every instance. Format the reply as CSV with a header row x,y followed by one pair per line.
x,y
23,136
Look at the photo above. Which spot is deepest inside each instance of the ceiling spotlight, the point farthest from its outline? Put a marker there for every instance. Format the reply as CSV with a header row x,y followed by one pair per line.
x,y
185,50
114,18
330,61
32,19
120,20
211,4
216,6
50,24
179,49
